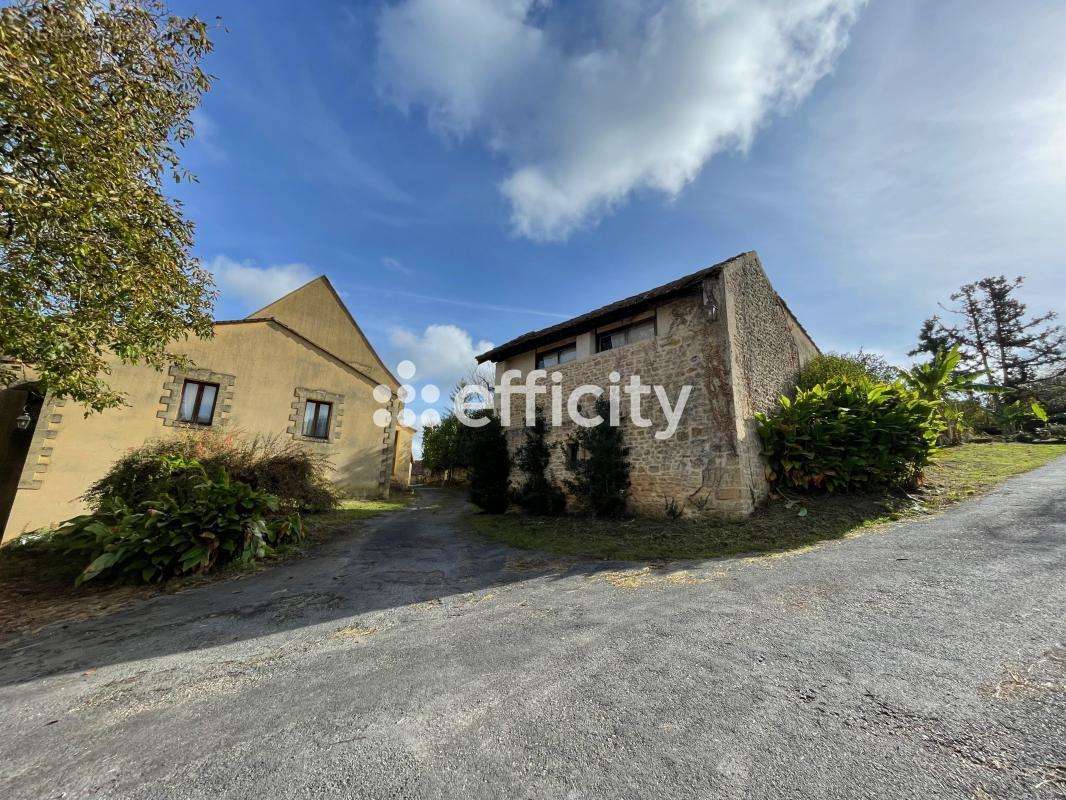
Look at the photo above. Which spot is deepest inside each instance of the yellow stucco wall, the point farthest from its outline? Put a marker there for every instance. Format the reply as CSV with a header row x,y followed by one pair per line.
x,y
316,311
268,363
403,460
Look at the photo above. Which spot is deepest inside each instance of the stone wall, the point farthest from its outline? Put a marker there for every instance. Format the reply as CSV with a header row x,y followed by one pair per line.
x,y
733,340
768,348
697,469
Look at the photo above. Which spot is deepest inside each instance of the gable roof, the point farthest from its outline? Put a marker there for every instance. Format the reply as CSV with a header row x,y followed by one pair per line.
x,y
608,313
316,311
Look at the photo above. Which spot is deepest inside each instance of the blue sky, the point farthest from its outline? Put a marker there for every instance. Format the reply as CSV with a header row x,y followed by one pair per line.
x,y
468,170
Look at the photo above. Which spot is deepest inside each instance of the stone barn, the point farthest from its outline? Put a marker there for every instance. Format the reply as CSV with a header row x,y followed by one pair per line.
x,y
725,332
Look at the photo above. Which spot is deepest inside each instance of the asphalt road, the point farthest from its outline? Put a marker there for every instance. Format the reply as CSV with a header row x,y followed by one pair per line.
x,y
922,660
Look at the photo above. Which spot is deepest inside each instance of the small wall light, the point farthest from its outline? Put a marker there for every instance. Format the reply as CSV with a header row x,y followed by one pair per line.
x,y
23,420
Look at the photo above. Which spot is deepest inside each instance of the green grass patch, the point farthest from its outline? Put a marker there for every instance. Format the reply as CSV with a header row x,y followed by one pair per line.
x,y
781,525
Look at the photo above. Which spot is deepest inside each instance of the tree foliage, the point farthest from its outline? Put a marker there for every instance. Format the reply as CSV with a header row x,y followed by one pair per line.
x,y
489,462
601,474
995,337
858,368
440,446
539,493
94,257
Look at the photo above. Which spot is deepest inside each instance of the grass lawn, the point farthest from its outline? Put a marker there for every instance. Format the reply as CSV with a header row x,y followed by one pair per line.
x,y
957,473
37,582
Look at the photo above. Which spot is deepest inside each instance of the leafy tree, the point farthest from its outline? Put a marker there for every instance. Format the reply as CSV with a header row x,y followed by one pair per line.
x,y
94,258
864,369
994,336
538,494
489,463
440,451
601,477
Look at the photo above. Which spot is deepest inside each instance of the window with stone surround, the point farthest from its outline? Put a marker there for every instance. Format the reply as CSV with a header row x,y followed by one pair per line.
x,y
197,402
316,415
195,397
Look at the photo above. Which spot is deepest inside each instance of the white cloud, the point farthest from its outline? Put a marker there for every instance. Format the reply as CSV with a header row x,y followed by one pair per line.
x,y
937,158
631,94
442,354
245,284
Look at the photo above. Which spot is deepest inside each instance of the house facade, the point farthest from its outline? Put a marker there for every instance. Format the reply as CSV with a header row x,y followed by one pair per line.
x,y
723,331
300,369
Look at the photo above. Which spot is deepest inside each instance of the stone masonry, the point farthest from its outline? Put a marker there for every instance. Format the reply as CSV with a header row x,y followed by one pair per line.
x,y
730,337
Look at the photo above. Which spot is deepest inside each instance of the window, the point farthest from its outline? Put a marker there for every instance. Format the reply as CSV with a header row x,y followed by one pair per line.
x,y
198,402
555,358
316,419
638,332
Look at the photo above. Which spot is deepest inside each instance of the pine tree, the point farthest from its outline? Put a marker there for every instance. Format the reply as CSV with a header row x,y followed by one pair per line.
x,y
994,337
602,476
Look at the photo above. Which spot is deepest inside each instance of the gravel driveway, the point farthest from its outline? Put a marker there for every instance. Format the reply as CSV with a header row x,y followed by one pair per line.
x,y
920,660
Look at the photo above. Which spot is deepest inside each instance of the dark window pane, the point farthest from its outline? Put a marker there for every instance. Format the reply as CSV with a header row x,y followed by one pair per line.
x,y
316,419
322,421
567,354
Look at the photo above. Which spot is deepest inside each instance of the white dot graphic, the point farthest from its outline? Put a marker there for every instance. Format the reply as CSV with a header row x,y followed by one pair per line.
x,y
407,417
382,418
406,370
382,394
430,393
430,417
406,393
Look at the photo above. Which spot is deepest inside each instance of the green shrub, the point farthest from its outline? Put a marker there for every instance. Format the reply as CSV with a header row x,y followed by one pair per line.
x,y
844,436
295,475
601,476
862,369
538,494
489,463
198,521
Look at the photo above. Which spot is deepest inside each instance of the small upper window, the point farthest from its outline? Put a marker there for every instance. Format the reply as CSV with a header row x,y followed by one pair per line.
x,y
619,337
198,402
555,358
316,419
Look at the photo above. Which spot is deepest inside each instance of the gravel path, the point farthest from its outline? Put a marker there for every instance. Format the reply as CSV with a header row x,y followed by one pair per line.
x,y
921,660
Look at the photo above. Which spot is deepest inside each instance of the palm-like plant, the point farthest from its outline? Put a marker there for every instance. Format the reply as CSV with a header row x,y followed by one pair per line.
x,y
937,380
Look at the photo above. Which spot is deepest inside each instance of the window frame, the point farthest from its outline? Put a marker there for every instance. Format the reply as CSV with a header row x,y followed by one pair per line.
x,y
317,404
601,334
555,351
197,402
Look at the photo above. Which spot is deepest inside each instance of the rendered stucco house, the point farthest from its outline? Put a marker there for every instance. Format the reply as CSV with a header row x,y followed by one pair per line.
x,y
722,330
299,368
